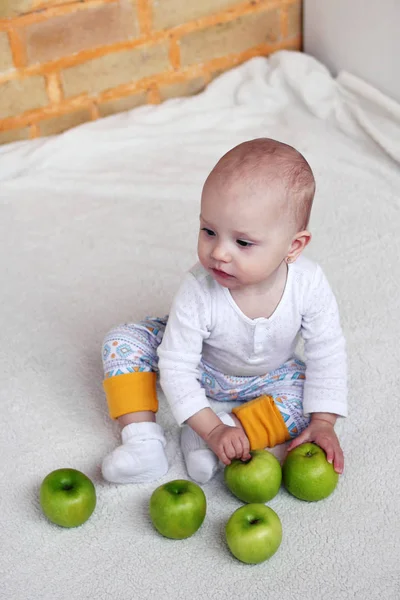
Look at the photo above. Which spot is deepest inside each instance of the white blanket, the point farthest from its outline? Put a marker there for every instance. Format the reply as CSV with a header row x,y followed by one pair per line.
x,y
97,227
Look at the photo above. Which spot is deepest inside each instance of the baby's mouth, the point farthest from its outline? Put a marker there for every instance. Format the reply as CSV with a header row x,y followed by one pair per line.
x,y
221,274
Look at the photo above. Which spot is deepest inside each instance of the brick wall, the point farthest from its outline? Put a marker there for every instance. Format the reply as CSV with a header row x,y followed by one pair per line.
x,y
64,62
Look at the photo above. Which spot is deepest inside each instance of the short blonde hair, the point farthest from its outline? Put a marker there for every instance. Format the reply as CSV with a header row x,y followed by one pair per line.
x,y
267,161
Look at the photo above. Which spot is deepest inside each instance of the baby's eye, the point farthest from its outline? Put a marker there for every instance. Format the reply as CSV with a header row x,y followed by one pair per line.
x,y
243,243
208,231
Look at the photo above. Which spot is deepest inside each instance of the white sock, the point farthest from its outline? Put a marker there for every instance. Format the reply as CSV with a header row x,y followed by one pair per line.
x,y
201,462
141,457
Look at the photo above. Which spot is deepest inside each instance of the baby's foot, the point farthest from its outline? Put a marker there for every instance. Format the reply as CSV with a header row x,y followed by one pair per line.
x,y
141,457
201,462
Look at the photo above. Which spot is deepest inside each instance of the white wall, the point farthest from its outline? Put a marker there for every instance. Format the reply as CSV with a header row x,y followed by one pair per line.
x,y
359,36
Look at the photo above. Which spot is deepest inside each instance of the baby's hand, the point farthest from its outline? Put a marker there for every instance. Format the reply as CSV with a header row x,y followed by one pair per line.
x,y
229,443
322,433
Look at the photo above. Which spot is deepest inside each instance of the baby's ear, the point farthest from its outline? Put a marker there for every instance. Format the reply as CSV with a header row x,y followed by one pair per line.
x,y
299,242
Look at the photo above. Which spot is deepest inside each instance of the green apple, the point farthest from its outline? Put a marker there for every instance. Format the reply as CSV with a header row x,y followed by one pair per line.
x,y
178,508
67,497
253,533
307,473
255,480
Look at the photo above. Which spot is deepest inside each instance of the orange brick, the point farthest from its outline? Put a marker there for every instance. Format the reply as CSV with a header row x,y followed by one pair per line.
x,y
66,34
46,3
61,123
19,95
115,69
230,38
14,135
294,19
12,8
53,88
168,13
122,104
6,61
184,88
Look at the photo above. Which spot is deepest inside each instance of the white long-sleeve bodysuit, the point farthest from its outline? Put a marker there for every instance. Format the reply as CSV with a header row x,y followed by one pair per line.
x,y
206,323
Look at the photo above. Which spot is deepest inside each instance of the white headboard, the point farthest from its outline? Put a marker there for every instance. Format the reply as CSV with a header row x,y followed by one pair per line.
x,y
359,36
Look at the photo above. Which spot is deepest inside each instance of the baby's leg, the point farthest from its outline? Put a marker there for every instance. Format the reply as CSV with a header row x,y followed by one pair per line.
x,y
130,370
275,416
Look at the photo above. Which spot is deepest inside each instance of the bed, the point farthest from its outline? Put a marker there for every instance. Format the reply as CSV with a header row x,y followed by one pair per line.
x,y
98,226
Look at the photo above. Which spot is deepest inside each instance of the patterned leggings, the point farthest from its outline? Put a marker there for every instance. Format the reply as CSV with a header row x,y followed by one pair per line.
x,y
131,348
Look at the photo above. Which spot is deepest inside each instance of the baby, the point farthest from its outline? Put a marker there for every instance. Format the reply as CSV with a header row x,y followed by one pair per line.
x,y
232,332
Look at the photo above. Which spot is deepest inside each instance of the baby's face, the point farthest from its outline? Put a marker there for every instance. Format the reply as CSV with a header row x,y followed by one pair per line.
x,y
244,236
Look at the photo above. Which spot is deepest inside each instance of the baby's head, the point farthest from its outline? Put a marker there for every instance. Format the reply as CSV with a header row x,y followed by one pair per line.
x,y
273,173
257,197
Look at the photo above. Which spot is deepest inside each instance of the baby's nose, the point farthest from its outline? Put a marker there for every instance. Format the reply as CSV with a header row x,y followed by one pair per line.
x,y
220,252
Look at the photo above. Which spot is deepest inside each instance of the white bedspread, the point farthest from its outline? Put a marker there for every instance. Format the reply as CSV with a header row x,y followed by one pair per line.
x,y
96,227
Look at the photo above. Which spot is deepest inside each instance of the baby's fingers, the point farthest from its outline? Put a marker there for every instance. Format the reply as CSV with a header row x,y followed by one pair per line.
x,y
223,457
242,446
334,455
237,447
338,461
246,448
329,452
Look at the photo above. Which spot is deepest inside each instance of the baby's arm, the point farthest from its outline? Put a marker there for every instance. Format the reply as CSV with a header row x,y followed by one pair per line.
x,y
325,389
179,358
225,441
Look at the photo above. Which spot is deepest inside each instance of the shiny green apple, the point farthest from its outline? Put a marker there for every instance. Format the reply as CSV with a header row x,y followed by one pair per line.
x,y
255,480
178,508
307,474
253,533
67,497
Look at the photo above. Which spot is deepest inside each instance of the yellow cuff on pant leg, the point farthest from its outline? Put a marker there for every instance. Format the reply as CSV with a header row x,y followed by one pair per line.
x,y
262,422
131,392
